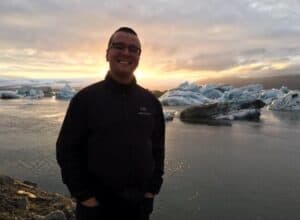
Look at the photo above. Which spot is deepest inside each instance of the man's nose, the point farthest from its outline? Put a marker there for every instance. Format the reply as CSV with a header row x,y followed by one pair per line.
x,y
126,51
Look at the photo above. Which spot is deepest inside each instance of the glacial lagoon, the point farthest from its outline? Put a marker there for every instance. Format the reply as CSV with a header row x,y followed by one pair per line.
x,y
249,171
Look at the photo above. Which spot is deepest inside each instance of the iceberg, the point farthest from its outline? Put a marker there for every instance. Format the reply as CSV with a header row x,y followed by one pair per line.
x,y
243,94
284,89
219,105
67,92
192,94
35,92
188,94
186,86
288,102
184,94
30,92
211,91
181,98
267,96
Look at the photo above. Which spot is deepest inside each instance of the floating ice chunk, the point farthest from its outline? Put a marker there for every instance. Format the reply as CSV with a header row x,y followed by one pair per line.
x,y
185,94
288,102
267,96
211,92
252,88
243,94
9,95
224,88
180,98
36,93
188,86
284,89
242,114
169,116
67,92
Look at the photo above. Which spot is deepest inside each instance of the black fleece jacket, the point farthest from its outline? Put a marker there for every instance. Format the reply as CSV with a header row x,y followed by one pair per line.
x,y
112,138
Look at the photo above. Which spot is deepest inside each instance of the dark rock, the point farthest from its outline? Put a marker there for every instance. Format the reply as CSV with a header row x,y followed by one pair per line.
x,y
37,217
257,104
206,111
6,180
30,183
17,202
2,196
22,203
212,122
59,205
70,213
9,96
222,113
251,116
56,215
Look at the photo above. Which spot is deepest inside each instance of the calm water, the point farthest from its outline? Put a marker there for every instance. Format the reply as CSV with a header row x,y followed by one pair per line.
x,y
247,171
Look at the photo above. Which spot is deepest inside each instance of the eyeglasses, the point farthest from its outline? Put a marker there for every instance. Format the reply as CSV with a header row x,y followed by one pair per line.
x,y
121,46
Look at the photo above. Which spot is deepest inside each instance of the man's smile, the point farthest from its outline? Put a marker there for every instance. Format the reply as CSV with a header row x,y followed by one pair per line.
x,y
122,61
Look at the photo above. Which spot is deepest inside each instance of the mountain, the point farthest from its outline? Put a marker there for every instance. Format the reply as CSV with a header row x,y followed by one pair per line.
x,y
290,81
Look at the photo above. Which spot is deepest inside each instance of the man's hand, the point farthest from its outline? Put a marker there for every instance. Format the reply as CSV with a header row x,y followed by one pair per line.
x,y
91,202
149,195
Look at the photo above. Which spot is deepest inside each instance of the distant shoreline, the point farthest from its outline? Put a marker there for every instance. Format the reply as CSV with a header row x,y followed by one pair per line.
x,y
290,81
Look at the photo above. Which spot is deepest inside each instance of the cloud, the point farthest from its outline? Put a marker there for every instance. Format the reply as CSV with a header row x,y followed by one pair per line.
x,y
203,62
189,35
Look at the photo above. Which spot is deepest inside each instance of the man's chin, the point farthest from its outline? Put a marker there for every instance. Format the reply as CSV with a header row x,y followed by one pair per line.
x,y
123,76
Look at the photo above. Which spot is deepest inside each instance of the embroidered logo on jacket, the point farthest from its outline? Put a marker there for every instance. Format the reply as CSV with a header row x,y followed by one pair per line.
x,y
144,111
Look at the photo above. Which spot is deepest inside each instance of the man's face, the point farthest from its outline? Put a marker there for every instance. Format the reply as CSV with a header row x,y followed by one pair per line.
x,y
122,55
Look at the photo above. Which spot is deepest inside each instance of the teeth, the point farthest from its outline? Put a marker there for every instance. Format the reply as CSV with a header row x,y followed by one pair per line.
x,y
124,62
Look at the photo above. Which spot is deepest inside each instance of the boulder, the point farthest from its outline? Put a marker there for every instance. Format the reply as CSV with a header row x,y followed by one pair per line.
x,y
6,180
22,203
205,114
30,183
221,113
56,215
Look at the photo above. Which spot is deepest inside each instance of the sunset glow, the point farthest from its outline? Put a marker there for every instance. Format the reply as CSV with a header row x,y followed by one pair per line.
x,y
180,42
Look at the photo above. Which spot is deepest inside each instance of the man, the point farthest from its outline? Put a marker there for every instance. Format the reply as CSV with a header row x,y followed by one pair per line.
x,y
111,144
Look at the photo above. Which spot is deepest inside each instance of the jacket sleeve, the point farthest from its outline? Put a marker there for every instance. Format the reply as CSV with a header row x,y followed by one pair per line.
x,y
70,149
158,151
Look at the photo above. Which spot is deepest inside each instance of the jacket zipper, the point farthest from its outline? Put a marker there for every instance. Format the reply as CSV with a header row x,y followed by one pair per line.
x,y
131,167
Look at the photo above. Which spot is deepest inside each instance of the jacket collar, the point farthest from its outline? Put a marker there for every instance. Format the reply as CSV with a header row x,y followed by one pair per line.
x,y
119,87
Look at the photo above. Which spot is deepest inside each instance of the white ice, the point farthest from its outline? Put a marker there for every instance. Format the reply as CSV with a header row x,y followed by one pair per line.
x,y
287,102
67,92
192,94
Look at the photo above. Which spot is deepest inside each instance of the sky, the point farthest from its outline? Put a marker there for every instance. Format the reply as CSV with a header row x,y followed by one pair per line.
x,y
181,40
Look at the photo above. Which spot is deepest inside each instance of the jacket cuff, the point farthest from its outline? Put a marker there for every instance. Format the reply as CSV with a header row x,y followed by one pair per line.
x,y
82,196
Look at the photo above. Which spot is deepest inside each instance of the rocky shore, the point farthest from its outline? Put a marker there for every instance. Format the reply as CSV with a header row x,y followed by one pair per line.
x,y
24,200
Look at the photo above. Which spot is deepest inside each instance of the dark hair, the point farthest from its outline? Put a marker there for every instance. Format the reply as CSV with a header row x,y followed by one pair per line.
x,y
121,29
